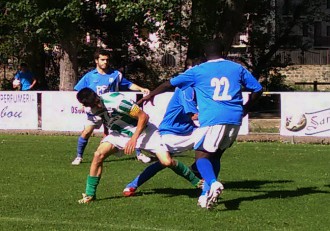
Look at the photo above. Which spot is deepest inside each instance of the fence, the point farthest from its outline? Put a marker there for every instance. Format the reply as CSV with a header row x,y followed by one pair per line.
x,y
313,57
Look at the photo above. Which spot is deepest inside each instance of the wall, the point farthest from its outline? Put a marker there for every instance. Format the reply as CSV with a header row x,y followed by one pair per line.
x,y
307,73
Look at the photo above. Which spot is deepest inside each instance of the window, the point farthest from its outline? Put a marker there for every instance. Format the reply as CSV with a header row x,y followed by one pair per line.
x,y
328,4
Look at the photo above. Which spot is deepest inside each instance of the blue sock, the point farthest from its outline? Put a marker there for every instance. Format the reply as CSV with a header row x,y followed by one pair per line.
x,y
148,173
137,152
206,170
82,143
206,188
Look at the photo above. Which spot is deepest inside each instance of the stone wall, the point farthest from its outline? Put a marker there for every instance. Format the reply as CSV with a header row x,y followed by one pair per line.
x,y
307,73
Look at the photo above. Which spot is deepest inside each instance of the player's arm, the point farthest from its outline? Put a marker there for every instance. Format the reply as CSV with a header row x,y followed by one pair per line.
x,y
135,87
142,118
34,81
252,100
160,89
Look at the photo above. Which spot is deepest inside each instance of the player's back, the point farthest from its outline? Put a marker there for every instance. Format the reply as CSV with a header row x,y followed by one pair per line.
x,y
218,85
116,113
177,119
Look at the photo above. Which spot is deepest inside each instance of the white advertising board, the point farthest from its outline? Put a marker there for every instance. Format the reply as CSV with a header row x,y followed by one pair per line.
x,y
18,110
61,111
305,114
157,111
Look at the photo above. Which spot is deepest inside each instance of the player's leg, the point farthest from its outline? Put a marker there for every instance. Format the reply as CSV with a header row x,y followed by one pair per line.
x,y
82,143
178,144
147,174
103,151
208,154
208,166
178,167
154,143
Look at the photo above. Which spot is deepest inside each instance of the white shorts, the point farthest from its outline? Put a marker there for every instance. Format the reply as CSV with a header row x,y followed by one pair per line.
x,y
215,137
177,144
150,140
93,120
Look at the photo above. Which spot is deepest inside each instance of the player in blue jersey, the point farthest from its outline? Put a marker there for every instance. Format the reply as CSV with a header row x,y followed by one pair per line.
x,y
218,86
101,80
24,78
176,131
128,129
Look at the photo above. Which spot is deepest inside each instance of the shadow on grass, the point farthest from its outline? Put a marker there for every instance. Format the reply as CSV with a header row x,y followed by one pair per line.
x,y
169,192
118,159
252,184
249,185
276,194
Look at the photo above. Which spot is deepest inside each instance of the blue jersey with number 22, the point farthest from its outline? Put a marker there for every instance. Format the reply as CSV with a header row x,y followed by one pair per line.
x,y
218,86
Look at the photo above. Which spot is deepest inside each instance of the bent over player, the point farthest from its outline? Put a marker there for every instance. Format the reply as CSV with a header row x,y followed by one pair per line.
x,y
128,129
176,130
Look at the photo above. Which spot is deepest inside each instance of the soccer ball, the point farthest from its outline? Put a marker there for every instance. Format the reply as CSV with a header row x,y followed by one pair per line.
x,y
296,123
16,83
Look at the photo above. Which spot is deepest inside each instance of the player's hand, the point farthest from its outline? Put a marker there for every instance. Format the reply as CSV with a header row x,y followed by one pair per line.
x,y
145,91
146,99
130,147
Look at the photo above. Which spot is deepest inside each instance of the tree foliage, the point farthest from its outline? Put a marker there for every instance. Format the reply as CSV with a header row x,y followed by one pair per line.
x,y
26,25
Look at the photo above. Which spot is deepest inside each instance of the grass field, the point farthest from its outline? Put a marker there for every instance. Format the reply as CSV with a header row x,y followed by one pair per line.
x,y
268,186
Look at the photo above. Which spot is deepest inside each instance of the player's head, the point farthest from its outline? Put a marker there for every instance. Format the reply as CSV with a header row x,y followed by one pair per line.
x,y
23,66
102,59
214,49
88,97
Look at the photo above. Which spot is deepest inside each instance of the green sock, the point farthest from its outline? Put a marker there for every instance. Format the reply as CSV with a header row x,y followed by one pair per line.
x,y
91,185
182,170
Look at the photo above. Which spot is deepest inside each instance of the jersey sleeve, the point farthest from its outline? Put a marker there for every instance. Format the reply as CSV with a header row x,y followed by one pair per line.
x,y
188,101
184,80
124,84
249,81
81,84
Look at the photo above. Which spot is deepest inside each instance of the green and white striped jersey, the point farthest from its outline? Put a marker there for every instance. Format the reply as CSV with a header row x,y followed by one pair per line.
x,y
115,114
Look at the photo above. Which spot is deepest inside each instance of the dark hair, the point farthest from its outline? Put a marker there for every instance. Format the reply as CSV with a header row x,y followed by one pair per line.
x,y
99,52
214,48
23,65
87,97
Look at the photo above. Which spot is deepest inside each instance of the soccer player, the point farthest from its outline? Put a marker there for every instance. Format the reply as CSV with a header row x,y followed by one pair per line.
x,y
128,129
24,78
218,86
103,79
175,129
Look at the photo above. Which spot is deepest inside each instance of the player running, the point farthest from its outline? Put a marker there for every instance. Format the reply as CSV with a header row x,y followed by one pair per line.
x,y
218,86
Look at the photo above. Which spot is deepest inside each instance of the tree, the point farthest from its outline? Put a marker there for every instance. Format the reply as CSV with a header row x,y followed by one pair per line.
x,y
25,25
35,22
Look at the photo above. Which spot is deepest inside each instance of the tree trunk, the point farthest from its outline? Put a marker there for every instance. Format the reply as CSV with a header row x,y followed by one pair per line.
x,y
36,62
68,66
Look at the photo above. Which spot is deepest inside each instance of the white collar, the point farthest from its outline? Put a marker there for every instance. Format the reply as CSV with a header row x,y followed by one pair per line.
x,y
216,60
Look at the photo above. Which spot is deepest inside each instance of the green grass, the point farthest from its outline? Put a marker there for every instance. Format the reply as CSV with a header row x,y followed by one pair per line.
x,y
268,186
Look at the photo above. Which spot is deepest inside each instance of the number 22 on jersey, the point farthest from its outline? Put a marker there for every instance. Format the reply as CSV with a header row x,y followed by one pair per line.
x,y
220,84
